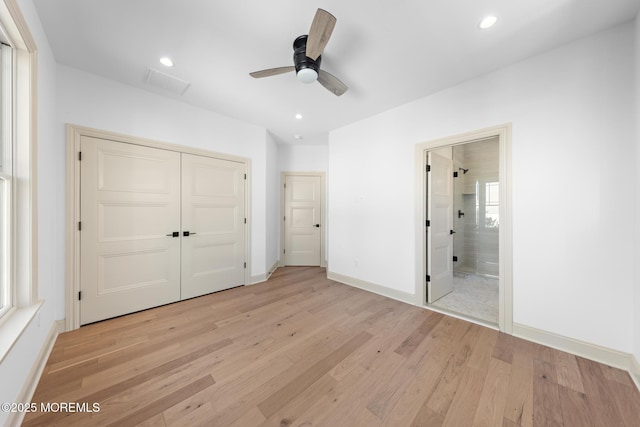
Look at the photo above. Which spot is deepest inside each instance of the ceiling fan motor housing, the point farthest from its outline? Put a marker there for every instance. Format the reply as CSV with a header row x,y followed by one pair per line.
x,y
300,58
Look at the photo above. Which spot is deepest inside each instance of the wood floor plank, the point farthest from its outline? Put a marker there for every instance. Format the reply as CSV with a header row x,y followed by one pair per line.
x,y
190,411
568,372
617,375
504,348
446,338
574,407
353,390
290,390
299,404
163,403
448,383
465,402
251,418
410,343
490,410
602,407
629,409
519,406
302,350
427,417
546,397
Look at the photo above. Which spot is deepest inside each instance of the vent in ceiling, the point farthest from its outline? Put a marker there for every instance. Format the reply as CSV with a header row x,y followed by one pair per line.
x,y
166,82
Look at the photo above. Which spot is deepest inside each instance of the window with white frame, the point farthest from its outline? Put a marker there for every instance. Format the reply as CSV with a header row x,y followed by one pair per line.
x,y
6,175
19,302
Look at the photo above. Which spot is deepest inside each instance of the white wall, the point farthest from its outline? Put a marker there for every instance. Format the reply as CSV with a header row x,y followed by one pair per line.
x,y
88,100
272,217
573,185
16,366
303,158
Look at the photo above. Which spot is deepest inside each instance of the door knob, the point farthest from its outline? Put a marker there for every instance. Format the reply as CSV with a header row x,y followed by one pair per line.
x,y
317,225
451,232
174,234
187,233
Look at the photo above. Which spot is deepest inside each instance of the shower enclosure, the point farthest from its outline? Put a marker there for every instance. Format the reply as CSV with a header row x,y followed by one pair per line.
x,y
476,208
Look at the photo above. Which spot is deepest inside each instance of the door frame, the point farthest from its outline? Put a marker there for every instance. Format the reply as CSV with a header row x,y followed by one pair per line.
x,y
73,135
323,215
505,252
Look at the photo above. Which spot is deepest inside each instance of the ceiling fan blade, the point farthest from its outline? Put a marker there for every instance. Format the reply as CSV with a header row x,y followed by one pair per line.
x,y
319,33
331,83
272,72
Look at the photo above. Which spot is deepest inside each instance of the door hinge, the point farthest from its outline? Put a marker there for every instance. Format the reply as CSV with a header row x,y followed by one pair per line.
x,y
285,185
79,225
80,296
245,220
455,174
245,265
245,176
428,168
79,156
428,223
284,218
455,258
284,251
428,278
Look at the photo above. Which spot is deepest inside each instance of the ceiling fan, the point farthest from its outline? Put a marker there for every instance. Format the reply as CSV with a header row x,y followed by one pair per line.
x,y
307,51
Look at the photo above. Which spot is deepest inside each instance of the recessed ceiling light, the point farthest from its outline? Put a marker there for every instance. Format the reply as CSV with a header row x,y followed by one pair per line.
x,y
166,61
298,137
488,22
298,116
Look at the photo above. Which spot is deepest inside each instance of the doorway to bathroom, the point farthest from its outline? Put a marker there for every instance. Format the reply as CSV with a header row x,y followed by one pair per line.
x,y
465,194
474,232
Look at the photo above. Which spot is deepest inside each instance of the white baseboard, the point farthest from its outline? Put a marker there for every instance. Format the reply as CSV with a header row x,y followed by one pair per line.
x,y
372,287
31,382
634,371
264,277
607,356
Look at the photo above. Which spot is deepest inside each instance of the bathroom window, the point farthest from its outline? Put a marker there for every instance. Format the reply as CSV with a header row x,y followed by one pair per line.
x,y
487,205
492,204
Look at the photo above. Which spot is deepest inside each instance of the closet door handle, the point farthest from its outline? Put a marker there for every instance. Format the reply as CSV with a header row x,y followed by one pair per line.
x,y
317,225
188,233
174,234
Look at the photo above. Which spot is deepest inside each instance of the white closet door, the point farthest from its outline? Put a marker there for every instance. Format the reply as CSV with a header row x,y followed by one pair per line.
x,y
213,225
130,201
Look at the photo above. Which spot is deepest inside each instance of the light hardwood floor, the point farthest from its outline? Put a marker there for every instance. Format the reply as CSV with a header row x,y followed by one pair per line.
x,y
301,350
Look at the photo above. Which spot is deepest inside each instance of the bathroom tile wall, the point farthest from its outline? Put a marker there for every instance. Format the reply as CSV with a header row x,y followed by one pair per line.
x,y
476,196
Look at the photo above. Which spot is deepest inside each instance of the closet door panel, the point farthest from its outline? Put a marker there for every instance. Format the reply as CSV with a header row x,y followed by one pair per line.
x,y
129,202
213,225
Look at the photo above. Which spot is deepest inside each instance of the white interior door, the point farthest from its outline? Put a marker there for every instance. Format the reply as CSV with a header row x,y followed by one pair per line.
x,y
302,220
440,216
213,225
130,201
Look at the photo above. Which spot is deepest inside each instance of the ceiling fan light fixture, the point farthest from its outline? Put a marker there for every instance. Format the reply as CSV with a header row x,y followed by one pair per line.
x,y
307,75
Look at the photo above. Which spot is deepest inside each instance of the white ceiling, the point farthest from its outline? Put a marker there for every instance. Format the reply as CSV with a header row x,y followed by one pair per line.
x,y
388,53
